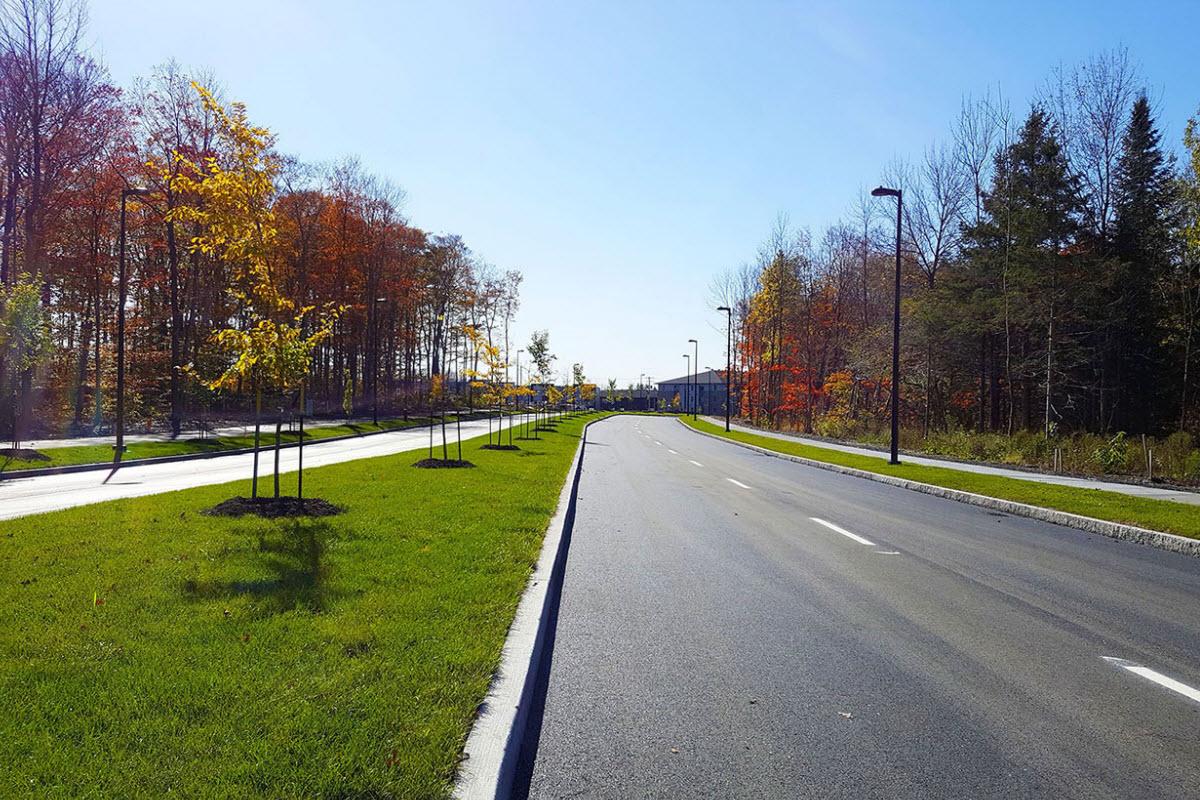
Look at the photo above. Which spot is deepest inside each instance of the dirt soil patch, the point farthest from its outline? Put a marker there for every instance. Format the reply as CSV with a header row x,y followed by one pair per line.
x,y
437,463
272,508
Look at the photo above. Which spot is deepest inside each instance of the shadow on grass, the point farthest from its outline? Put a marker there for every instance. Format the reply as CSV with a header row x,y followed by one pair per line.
x,y
295,556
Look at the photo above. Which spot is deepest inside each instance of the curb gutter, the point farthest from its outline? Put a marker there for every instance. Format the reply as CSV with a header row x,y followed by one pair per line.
x,y
1113,530
489,761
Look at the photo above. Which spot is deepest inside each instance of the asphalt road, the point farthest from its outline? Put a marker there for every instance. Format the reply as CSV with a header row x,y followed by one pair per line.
x,y
714,639
22,496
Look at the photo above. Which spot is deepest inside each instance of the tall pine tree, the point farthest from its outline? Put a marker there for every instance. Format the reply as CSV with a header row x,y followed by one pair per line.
x,y
1026,269
1143,247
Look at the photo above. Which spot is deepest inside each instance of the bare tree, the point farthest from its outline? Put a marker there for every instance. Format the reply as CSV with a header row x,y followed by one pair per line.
x,y
975,137
1091,105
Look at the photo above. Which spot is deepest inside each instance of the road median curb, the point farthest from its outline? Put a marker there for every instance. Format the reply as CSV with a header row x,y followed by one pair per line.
x,y
493,747
1113,530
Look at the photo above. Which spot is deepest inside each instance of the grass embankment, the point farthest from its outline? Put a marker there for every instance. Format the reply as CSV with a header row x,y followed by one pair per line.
x,y
152,651
1159,515
134,451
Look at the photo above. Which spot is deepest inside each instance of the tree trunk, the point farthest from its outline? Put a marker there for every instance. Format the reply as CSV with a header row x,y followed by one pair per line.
x,y
278,429
1049,368
257,413
176,328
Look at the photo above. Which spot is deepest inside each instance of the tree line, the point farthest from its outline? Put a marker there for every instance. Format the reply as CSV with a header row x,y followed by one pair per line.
x,y
72,142
1050,278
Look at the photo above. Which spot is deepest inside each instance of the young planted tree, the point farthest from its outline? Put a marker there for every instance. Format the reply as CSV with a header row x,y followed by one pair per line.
x,y
488,378
228,198
543,363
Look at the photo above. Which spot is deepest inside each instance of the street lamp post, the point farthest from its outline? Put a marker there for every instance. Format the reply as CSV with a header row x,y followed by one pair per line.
x,y
696,376
119,446
882,191
728,358
687,385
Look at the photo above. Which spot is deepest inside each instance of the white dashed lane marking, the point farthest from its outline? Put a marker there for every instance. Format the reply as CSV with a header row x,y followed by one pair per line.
x,y
843,531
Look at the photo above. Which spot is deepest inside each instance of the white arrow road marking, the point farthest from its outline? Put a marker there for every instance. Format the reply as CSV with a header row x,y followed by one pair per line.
x,y
737,483
843,532
697,463
1157,677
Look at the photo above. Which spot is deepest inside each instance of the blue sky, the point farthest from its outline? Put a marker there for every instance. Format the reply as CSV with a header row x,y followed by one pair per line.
x,y
622,153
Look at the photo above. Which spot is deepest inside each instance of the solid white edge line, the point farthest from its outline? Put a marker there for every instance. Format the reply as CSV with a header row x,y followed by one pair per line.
x,y
697,463
843,531
737,483
1156,677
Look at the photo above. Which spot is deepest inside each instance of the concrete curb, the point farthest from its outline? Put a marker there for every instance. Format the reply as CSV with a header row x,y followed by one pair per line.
x,y
138,462
1113,530
493,746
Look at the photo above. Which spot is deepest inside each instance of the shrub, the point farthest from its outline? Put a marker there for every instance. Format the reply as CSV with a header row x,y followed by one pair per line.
x,y
1111,455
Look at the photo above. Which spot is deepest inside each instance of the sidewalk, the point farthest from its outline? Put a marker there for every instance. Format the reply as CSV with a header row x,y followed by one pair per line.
x,y
1132,489
268,427
186,433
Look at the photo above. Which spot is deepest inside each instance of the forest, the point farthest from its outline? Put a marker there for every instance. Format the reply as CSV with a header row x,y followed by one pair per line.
x,y
1050,287
101,182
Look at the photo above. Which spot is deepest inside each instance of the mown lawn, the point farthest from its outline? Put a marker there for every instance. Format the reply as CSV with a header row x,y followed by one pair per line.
x,y
1158,515
152,651
103,454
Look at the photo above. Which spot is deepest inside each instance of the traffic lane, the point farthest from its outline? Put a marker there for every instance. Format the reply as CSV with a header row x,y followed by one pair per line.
x,y
23,496
675,636
1137,596
719,596
1133,606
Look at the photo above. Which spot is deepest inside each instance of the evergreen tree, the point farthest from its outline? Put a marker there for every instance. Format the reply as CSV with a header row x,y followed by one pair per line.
x,y
1143,245
1025,269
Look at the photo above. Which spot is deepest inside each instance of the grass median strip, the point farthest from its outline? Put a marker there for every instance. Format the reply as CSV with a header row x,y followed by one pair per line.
x,y
151,650
1158,515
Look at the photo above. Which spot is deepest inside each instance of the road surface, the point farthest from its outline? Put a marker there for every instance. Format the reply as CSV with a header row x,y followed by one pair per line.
x,y
21,496
1135,489
737,625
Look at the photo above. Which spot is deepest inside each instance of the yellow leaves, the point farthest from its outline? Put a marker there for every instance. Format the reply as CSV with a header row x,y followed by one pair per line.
x,y
228,195
275,353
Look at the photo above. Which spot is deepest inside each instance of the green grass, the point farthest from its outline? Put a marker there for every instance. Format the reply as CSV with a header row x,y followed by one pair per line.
x,y
1159,515
151,651
103,454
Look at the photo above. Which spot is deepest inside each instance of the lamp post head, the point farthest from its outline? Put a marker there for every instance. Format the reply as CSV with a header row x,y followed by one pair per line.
x,y
726,309
691,341
883,191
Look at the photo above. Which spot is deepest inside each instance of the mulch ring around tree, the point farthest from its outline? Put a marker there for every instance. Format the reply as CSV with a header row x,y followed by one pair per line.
x,y
438,463
271,508
23,454
498,447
